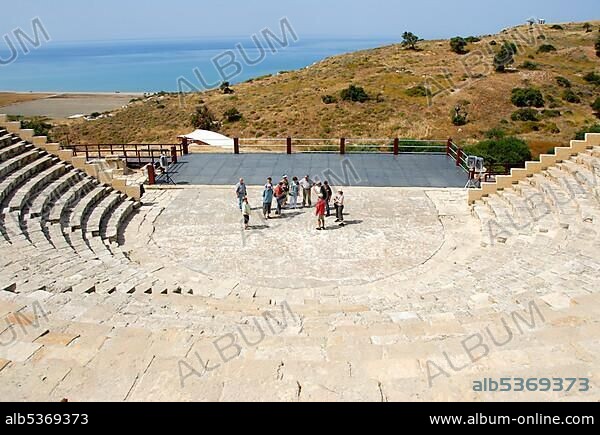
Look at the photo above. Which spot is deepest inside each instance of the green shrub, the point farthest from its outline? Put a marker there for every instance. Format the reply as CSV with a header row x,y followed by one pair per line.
x,y
587,27
552,128
495,133
503,150
551,113
596,106
597,46
472,39
592,78
329,99
532,66
505,56
410,40
557,27
225,88
38,125
593,129
546,48
459,116
204,119
458,45
418,91
232,115
563,82
526,114
355,94
493,43
527,97
571,97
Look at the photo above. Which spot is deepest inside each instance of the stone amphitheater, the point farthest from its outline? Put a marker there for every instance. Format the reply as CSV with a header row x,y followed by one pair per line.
x,y
105,297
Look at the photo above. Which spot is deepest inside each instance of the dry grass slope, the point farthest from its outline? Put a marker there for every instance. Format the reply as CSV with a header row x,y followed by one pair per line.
x,y
291,103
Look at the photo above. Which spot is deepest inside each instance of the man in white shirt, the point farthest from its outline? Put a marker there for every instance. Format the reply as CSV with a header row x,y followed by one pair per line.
x,y
306,185
339,207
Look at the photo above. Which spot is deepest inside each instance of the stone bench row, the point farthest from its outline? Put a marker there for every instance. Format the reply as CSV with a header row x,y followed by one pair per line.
x,y
10,183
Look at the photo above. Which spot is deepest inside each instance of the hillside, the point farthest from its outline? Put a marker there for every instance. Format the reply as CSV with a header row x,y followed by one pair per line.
x,y
290,103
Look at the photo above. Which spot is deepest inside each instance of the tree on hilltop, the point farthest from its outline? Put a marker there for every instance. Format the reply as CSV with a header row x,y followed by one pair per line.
x,y
410,40
458,45
203,119
505,57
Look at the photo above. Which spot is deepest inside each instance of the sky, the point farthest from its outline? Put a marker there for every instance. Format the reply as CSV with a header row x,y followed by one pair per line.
x,y
83,20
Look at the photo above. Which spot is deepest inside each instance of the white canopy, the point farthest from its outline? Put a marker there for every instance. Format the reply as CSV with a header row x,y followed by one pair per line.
x,y
209,138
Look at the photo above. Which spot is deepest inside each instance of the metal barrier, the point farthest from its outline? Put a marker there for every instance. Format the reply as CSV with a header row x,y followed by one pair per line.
x,y
133,154
342,146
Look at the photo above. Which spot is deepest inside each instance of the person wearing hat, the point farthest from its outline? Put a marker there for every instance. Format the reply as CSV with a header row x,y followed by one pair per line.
x,y
339,207
320,212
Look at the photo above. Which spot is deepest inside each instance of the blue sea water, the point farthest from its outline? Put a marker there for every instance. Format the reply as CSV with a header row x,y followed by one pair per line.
x,y
151,66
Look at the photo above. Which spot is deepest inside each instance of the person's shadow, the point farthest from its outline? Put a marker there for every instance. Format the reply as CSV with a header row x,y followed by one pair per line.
x,y
346,224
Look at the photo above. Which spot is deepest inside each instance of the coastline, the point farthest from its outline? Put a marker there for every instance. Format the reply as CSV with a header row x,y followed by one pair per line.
x,y
62,105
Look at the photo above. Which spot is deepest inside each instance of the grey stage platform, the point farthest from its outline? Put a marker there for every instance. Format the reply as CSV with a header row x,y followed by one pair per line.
x,y
376,170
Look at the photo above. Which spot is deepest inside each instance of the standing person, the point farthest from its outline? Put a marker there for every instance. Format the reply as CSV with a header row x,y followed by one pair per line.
x,y
267,200
320,212
246,211
328,197
280,197
339,207
269,183
286,188
241,192
294,192
306,186
318,190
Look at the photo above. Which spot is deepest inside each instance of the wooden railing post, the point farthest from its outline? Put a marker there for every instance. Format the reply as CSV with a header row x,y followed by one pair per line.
x,y
289,145
448,146
174,154
185,146
151,175
236,145
459,156
396,146
343,146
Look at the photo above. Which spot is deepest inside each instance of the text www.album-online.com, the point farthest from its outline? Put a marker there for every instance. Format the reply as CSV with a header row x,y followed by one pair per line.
x,y
537,419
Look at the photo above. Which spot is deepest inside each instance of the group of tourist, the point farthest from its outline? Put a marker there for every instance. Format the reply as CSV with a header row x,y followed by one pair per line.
x,y
286,194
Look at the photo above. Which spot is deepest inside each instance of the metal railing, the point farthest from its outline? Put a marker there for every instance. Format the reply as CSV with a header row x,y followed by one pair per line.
x,y
133,154
342,146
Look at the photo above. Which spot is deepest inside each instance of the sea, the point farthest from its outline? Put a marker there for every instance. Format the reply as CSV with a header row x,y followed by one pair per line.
x,y
161,65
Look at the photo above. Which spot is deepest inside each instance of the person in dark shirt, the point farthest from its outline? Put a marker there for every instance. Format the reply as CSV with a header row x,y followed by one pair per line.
x,y
327,196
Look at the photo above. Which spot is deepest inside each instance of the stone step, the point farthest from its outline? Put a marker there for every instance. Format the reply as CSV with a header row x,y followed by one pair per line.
x,y
71,197
101,213
52,193
5,139
118,218
11,165
32,187
15,179
85,206
11,151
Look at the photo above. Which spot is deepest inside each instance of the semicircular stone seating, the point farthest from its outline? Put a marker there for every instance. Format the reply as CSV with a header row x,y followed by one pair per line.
x,y
117,329
57,225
